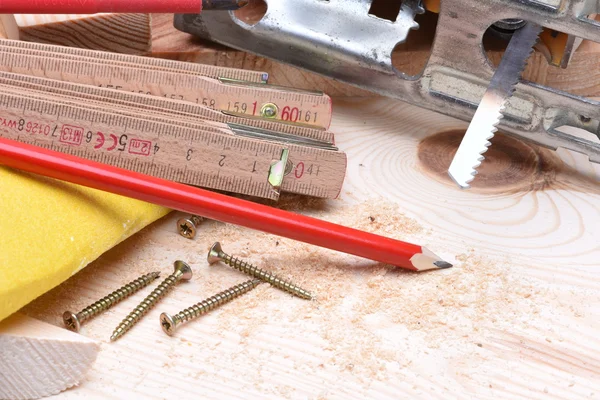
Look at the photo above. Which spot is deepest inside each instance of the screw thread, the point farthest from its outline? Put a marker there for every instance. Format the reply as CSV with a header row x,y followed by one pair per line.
x,y
115,297
146,305
265,276
215,301
196,219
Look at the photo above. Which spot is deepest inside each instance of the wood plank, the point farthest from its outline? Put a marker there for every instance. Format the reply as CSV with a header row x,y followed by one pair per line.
x,y
38,359
516,318
121,33
5,22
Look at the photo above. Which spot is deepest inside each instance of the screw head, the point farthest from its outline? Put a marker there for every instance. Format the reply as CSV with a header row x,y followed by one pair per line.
x,y
214,254
71,321
167,324
186,228
269,110
185,269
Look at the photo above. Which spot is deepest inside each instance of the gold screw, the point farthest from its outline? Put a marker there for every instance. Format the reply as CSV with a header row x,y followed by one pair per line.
x,y
170,323
187,226
216,254
74,321
182,271
269,110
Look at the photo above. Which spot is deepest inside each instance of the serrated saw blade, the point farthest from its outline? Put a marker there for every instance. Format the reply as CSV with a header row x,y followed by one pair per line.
x,y
476,141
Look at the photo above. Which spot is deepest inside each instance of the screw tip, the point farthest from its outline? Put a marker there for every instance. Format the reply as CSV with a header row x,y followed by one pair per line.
x,y
307,296
71,321
120,331
155,274
214,254
255,282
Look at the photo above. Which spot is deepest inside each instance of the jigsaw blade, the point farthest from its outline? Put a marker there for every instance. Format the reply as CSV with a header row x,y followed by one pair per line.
x,y
490,111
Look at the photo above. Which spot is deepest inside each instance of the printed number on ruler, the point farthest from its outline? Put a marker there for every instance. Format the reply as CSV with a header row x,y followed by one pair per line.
x,y
288,114
73,135
300,169
315,173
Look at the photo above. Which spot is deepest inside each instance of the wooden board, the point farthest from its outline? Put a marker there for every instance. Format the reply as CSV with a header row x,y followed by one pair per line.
x,y
121,33
39,360
516,318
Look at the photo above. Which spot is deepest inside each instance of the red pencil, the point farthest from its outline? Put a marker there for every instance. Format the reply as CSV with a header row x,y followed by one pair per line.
x,y
217,206
116,6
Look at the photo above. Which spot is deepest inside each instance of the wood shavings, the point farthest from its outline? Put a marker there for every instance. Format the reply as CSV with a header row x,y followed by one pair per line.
x,y
369,322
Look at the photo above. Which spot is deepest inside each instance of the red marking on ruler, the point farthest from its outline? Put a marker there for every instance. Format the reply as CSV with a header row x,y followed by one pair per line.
x,y
99,140
72,135
114,139
11,123
140,147
299,170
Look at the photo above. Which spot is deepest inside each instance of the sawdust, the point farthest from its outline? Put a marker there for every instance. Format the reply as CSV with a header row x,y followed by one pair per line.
x,y
357,297
368,320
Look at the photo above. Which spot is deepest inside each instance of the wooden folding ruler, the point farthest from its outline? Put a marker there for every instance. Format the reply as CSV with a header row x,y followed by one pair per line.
x,y
72,53
171,106
166,137
241,98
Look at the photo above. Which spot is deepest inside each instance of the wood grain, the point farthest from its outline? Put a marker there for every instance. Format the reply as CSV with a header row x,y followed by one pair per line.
x,y
511,166
121,33
516,318
38,359
5,23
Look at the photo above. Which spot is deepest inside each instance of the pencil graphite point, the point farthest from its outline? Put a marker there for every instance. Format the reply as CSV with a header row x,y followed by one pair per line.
x,y
442,264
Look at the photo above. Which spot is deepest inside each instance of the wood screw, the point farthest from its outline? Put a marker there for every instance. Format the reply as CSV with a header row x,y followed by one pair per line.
x,y
216,254
170,323
187,227
182,272
74,321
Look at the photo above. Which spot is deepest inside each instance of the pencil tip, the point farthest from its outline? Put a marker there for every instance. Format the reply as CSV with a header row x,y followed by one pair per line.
x,y
427,260
442,264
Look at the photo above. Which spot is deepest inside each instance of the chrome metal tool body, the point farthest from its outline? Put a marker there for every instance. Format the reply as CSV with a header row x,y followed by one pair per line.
x,y
340,39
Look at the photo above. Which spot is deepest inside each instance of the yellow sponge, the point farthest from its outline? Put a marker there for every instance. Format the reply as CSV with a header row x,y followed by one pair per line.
x,y
50,229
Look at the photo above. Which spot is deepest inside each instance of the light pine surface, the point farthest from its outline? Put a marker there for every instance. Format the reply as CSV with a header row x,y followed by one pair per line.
x,y
516,318
39,359
121,33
